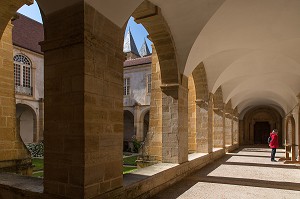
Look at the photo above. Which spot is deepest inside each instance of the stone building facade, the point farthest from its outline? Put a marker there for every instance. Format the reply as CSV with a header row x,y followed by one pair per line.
x,y
29,77
137,91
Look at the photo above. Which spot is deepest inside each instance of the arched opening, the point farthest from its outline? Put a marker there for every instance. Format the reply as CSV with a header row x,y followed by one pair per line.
x,y
26,123
129,132
258,123
200,139
261,132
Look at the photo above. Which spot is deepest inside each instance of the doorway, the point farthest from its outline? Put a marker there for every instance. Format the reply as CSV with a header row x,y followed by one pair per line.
x,y
261,132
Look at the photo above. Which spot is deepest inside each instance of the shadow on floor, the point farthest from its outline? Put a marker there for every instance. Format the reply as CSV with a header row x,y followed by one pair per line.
x,y
187,183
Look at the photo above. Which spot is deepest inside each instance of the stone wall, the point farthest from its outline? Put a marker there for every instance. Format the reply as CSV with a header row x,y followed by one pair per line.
x,y
14,156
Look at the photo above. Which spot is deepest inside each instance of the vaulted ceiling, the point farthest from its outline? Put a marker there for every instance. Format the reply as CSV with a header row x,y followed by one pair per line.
x,y
251,48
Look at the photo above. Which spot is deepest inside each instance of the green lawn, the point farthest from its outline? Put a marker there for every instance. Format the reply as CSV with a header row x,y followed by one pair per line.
x,y
130,160
39,174
128,169
39,166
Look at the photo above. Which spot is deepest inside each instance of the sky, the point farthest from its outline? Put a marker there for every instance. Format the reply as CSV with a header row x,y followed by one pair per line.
x,y
138,31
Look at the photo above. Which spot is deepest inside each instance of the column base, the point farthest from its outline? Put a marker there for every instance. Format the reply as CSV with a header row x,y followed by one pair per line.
x,y
145,161
20,166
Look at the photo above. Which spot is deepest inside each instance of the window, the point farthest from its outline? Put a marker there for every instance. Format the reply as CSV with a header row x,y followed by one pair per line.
x,y
126,86
149,83
22,71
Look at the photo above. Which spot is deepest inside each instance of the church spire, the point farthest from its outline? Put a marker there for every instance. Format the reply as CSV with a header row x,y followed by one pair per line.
x,y
129,44
144,51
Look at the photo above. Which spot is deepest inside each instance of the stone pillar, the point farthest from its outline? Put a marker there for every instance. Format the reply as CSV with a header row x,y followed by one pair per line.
x,y
192,116
219,134
41,119
236,129
152,150
241,131
174,123
138,123
83,103
210,119
298,158
14,156
228,129
203,135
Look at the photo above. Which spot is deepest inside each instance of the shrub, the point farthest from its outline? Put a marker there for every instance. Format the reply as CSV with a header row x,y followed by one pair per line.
x,y
36,149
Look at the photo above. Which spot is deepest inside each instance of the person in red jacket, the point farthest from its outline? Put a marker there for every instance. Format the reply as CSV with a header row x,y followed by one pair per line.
x,y
274,144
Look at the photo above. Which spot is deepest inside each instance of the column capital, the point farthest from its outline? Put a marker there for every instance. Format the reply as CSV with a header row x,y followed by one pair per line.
x,y
200,101
165,87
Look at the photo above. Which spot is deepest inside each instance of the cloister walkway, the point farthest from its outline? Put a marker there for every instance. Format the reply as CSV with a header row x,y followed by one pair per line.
x,y
245,173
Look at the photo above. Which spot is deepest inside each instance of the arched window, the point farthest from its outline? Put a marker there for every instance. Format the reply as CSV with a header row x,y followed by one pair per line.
x,y
22,72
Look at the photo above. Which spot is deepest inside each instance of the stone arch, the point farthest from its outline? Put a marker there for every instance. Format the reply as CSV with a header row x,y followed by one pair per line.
x,y
260,114
8,10
200,81
290,137
17,158
27,123
198,111
218,99
150,16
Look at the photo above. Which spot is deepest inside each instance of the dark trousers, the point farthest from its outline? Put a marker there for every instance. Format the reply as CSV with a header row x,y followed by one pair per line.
x,y
273,153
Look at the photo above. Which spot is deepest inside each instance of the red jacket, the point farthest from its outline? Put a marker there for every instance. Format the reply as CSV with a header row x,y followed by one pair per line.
x,y
274,141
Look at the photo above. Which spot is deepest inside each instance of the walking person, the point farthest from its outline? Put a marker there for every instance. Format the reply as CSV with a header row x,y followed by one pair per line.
x,y
274,144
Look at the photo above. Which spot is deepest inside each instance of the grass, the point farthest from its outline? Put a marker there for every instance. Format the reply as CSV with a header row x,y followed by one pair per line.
x,y
127,169
39,166
39,174
130,160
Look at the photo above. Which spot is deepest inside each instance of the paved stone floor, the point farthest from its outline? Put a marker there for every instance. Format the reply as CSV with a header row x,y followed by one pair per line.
x,y
246,173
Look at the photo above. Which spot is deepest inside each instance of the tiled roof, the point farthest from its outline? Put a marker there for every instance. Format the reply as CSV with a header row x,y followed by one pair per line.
x,y
137,61
27,33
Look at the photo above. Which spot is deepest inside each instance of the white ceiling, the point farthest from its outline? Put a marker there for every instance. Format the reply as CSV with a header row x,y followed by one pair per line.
x,y
251,48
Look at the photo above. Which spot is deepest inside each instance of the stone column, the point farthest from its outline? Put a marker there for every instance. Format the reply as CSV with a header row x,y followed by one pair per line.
x,y
242,129
83,103
13,152
210,120
236,129
138,123
298,158
174,123
152,150
228,129
219,134
203,137
192,109
41,119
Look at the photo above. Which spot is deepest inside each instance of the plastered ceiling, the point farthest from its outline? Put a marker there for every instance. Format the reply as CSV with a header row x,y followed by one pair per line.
x,y
251,48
